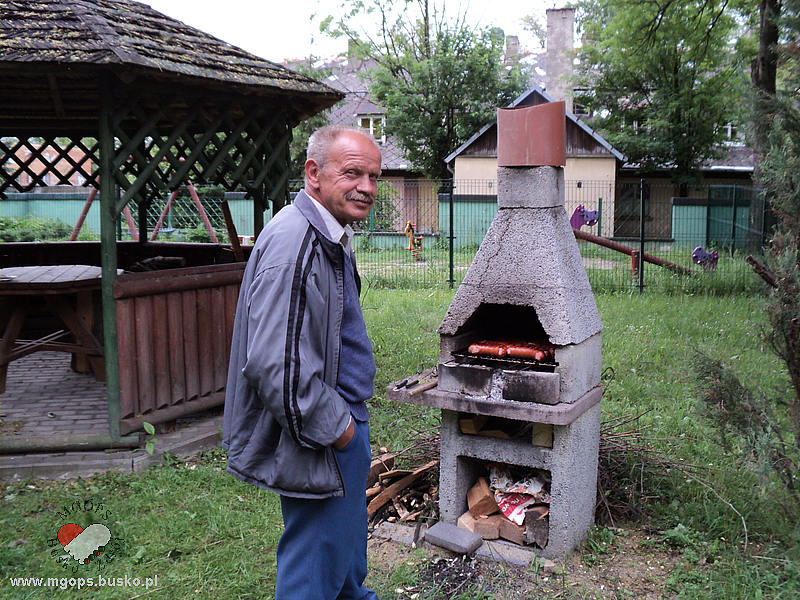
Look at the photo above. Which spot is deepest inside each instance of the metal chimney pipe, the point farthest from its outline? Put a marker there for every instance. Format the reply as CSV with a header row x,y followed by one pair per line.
x,y
532,136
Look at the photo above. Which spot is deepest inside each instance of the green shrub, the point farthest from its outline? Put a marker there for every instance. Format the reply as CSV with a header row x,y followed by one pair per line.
x,y
200,235
33,229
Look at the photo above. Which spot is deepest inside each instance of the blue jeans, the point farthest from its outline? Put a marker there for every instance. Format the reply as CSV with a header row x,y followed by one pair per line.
x,y
322,553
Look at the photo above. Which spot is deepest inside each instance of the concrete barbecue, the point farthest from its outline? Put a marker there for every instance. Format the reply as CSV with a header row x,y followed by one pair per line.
x,y
521,340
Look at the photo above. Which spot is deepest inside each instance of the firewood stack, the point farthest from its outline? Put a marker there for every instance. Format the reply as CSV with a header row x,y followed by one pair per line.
x,y
399,495
486,517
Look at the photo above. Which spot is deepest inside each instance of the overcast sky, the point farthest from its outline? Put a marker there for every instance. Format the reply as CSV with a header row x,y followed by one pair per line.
x,y
278,30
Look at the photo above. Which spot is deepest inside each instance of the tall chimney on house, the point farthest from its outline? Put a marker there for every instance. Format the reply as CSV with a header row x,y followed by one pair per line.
x,y
352,49
511,57
560,53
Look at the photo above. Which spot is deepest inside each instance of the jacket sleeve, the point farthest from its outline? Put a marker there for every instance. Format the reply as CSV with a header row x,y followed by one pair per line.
x,y
286,350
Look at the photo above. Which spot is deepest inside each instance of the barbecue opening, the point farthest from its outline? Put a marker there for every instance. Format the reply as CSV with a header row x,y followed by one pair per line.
x,y
504,321
506,333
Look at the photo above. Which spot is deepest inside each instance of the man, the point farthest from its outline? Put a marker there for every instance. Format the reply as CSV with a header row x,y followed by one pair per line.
x,y
301,369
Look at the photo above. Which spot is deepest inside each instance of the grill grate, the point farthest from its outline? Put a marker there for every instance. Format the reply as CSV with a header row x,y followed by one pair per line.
x,y
508,362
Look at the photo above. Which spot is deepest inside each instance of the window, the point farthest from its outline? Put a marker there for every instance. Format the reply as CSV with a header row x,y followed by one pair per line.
x,y
732,135
579,110
373,125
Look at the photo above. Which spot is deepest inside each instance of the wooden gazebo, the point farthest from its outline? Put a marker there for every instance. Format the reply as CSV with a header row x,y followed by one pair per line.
x,y
149,102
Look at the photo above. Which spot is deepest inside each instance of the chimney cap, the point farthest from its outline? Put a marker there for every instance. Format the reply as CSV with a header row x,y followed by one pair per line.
x,y
532,136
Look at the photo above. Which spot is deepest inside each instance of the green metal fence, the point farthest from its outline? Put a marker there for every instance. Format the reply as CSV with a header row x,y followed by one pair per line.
x,y
425,233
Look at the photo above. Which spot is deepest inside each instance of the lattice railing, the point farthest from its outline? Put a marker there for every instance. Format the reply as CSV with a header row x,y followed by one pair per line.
x,y
160,143
28,163
236,148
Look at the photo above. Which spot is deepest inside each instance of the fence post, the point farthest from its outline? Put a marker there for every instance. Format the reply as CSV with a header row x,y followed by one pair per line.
x,y
641,235
451,237
600,216
733,221
371,221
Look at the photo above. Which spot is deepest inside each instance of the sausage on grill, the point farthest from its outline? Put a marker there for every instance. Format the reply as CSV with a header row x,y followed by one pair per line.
x,y
488,348
539,351
526,352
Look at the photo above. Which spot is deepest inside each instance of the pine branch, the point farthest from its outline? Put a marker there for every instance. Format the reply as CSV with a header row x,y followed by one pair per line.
x,y
762,271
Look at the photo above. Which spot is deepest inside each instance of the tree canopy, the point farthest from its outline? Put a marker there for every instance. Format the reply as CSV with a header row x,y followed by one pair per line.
x,y
438,79
661,78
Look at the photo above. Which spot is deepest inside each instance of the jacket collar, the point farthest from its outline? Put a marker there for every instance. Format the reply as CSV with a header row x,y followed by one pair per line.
x,y
305,205
333,250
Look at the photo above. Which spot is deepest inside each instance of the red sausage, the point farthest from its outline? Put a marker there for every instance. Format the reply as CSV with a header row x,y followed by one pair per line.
x,y
487,348
526,352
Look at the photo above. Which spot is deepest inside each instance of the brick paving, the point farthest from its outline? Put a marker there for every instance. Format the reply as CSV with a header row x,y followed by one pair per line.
x,y
44,396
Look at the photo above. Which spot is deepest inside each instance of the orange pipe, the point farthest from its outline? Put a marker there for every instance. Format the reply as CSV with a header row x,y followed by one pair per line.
x,y
601,241
202,212
89,199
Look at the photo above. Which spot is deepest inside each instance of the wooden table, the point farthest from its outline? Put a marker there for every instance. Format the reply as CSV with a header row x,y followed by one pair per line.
x,y
67,292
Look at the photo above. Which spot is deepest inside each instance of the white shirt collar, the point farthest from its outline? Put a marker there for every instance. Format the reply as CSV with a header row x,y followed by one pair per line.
x,y
335,229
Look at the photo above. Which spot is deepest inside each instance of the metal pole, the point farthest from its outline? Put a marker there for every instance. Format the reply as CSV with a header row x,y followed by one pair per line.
x,y
641,235
452,280
108,257
733,221
600,216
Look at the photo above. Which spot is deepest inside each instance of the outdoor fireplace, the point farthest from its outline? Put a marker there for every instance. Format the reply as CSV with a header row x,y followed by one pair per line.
x,y
521,339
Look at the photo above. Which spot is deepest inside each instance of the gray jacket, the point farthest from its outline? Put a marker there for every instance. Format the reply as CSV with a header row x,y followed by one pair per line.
x,y
282,411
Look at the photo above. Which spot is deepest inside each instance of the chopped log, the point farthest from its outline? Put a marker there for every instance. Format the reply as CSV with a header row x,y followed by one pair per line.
x,y
537,525
412,516
393,474
480,499
511,531
382,463
400,509
391,491
373,491
486,527
472,424
542,435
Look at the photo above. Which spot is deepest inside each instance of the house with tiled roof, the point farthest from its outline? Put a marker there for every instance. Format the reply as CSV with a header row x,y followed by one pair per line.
x,y
357,109
415,197
596,174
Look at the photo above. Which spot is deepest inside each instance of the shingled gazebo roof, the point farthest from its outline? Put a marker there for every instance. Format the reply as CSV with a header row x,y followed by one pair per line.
x,y
82,37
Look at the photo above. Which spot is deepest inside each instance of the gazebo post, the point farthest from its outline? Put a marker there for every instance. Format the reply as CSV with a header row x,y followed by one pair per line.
x,y
108,255
258,211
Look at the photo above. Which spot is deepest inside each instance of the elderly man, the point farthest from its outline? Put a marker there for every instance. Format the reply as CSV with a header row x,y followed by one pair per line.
x,y
302,368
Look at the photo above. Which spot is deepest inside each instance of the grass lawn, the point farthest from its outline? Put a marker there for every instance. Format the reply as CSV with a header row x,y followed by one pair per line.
x,y
206,535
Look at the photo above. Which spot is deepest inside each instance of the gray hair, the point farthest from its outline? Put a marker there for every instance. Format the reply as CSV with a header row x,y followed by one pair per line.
x,y
320,142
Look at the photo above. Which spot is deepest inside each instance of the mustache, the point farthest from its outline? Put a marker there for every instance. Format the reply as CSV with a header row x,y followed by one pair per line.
x,y
358,196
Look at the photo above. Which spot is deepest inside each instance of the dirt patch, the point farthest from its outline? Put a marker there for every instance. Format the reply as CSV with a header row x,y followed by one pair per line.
x,y
622,563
